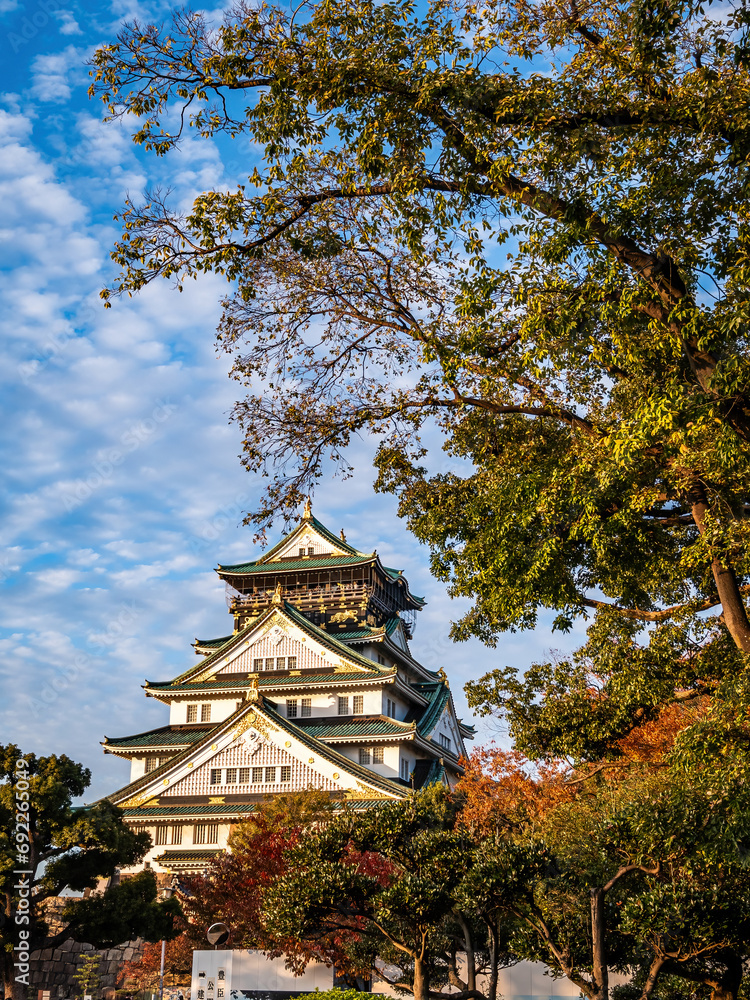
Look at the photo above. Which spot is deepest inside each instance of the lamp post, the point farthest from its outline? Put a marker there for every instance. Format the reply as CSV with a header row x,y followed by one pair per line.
x,y
166,893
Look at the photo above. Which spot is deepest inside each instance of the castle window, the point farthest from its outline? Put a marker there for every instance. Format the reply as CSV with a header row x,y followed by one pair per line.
x,y
231,776
205,713
176,834
258,665
257,775
212,833
343,706
161,835
364,755
301,553
381,660
270,775
192,713
286,773
269,663
215,775
404,769
163,760
306,708
151,764
280,662
291,708
291,662
377,755
199,833
445,741
311,550
359,704
244,775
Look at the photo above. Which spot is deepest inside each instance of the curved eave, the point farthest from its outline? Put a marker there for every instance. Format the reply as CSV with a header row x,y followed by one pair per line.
x,y
270,685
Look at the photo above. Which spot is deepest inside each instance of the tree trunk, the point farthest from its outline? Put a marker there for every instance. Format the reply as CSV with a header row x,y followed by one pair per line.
x,y
729,985
600,975
494,959
735,615
421,980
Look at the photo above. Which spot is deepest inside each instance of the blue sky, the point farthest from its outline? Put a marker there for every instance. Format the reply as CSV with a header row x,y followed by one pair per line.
x,y
121,483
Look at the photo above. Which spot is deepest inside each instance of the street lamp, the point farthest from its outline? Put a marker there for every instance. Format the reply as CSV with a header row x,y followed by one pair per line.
x,y
166,893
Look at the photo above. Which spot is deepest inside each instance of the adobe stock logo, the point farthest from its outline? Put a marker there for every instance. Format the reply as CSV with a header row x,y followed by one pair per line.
x,y
33,23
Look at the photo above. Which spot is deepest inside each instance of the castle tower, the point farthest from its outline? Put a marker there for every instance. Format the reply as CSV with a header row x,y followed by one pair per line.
x,y
316,686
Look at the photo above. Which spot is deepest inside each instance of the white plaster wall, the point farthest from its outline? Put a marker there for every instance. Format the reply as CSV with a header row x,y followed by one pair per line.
x,y
251,970
221,708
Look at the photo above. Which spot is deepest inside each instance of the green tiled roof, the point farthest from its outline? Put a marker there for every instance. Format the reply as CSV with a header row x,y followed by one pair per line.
x,y
367,632
175,857
213,643
164,737
227,808
365,727
269,681
240,569
438,701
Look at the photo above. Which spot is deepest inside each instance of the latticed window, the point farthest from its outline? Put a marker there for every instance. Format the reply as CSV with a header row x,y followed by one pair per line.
x,y
404,769
258,664
161,835
205,713
291,708
291,662
280,662
244,775
364,755
192,713
176,834
306,708
343,706
270,775
286,773
269,663
199,833
212,833
231,776
257,775
151,764
359,704
445,741
215,775
377,755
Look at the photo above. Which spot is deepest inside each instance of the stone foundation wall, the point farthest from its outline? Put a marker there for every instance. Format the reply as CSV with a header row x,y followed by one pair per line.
x,y
53,969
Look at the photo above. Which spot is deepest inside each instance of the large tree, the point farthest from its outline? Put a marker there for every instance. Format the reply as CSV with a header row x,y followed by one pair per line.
x,y
47,845
526,223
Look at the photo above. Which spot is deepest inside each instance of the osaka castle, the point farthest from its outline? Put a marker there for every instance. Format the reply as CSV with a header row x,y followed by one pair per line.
x,y
316,686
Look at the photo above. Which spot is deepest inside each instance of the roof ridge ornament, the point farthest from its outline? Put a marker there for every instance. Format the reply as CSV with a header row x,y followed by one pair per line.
x,y
307,512
343,537
277,599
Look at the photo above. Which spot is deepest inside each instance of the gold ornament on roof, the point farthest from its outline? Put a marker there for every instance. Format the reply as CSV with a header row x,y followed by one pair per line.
x,y
253,692
343,536
307,512
277,598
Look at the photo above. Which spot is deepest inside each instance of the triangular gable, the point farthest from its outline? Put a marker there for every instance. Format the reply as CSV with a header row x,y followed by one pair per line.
x,y
278,636
305,537
398,638
256,732
447,723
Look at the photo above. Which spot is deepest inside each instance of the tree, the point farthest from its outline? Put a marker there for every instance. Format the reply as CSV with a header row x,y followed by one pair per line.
x,y
232,888
594,384
144,973
47,845
87,976
388,882
644,871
